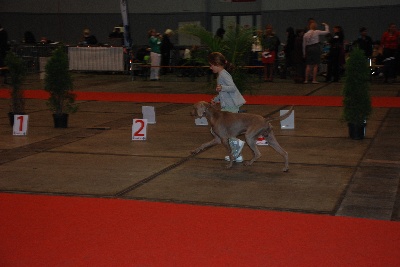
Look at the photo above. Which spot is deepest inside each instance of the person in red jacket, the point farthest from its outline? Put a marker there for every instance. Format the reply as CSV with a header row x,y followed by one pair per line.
x,y
390,45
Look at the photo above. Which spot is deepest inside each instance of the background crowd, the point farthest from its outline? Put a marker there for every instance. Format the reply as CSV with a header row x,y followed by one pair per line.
x,y
299,55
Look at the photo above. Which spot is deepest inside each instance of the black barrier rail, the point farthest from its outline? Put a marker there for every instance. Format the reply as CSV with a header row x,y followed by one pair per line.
x,y
31,54
192,72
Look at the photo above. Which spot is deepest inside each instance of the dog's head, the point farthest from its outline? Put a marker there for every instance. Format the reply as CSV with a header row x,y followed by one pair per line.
x,y
200,108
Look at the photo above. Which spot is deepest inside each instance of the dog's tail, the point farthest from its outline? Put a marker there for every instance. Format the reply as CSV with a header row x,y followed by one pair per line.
x,y
282,117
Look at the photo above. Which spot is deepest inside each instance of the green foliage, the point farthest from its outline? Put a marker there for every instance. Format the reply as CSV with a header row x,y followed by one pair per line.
x,y
207,38
58,82
235,46
357,99
17,72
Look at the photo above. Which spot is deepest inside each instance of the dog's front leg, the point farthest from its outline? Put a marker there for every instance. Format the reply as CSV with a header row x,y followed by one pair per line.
x,y
225,142
213,142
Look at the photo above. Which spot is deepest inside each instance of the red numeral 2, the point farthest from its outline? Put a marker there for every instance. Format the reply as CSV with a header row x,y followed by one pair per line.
x,y
138,132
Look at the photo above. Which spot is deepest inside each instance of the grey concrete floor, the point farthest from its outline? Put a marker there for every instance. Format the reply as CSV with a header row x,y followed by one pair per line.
x,y
95,157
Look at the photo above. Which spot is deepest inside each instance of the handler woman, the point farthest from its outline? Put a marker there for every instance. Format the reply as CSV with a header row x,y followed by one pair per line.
x,y
312,50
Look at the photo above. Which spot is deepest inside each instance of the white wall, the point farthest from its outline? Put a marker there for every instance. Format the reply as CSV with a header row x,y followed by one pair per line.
x,y
63,20
174,6
268,5
102,6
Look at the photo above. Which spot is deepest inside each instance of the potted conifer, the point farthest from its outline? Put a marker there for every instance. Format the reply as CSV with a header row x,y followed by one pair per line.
x,y
356,94
17,72
58,82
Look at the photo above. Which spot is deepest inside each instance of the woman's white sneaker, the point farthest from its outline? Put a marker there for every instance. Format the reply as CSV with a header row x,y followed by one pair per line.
x,y
238,159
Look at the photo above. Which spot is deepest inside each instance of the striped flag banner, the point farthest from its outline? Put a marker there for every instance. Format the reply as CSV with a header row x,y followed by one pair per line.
x,y
125,21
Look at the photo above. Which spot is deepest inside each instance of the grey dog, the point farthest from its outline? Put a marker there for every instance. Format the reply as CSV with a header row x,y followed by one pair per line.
x,y
225,125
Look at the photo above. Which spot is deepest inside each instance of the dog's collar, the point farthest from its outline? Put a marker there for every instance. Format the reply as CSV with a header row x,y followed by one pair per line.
x,y
204,112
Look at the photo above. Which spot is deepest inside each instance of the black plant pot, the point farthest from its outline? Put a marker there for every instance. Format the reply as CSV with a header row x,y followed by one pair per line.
x,y
357,131
11,117
60,120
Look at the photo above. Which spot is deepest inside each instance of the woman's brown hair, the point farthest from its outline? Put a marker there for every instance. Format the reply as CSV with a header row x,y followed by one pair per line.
x,y
150,32
218,59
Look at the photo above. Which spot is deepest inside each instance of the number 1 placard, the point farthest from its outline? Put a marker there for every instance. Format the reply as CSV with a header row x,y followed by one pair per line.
x,y
20,126
139,129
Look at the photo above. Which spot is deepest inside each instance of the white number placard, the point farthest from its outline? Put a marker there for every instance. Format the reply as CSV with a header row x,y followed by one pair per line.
x,y
139,129
287,123
20,126
149,113
201,121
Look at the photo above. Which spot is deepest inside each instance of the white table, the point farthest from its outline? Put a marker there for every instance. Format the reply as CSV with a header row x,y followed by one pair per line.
x,y
96,58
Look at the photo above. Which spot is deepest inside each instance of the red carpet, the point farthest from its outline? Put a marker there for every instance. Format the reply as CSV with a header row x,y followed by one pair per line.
x,y
334,101
70,231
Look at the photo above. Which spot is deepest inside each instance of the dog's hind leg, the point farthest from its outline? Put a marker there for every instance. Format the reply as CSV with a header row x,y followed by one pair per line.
x,y
275,145
251,141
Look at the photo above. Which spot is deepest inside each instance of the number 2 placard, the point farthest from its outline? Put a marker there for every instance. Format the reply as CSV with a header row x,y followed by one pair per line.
x,y
20,126
139,129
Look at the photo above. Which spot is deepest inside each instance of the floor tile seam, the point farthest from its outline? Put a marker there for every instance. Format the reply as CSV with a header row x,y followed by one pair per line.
x,y
377,195
47,193
152,177
315,136
323,165
55,151
50,143
354,178
71,137
374,201
377,186
180,158
227,205
172,201
396,208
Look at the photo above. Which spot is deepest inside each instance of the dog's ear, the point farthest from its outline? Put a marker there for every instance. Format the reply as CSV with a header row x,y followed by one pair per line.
x,y
205,104
216,106
200,111
201,108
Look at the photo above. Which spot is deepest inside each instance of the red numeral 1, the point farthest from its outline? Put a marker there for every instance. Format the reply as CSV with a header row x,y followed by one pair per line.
x,y
21,121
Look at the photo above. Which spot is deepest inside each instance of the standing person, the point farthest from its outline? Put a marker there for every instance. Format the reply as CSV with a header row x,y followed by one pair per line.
x,y
88,39
3,45
336,54
298,58
256,49
166,47
116,37
309,21
270,43
312,50
29,38
155,40
289,50
116,33
364,42
220,33
228,96
390,44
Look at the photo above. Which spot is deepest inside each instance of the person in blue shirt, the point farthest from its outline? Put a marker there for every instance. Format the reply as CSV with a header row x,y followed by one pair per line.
x,y
229,97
